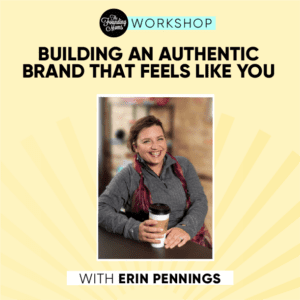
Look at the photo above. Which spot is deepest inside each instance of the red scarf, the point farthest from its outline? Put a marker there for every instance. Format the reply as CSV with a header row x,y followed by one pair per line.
x,y
142,199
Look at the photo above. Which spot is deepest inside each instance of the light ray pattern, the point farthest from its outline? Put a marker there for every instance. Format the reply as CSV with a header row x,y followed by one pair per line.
x,y
26,272
240,176
273,185
39,159
19,191
275,230
276,181
278,290
28,242
276,263
221,134
14,294
73,145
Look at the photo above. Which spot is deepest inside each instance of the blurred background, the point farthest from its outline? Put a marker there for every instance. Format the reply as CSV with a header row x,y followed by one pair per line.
x,y
188,125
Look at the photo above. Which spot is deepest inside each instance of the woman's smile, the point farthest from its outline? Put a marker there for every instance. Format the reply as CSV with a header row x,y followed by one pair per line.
x,y
155,154
151,145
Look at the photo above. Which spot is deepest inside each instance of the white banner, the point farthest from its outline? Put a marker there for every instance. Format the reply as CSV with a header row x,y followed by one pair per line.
x,y
150,278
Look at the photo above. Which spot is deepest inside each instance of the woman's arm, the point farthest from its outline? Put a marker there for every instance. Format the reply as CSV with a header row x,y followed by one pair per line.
x,y
194,217
113,198
111,201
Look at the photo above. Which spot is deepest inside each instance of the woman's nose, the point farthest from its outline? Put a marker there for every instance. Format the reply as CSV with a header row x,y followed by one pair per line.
x,y
154,145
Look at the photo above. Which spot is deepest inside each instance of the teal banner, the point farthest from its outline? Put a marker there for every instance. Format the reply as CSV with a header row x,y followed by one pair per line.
x,y
172,23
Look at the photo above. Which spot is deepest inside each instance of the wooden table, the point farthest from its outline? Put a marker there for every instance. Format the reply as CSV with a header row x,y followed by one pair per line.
x,y
115,246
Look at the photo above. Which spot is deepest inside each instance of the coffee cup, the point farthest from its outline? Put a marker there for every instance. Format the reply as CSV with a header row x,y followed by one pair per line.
x,y
160,212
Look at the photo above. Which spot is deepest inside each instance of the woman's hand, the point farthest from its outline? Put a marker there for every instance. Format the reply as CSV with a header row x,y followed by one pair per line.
x,y
176,237
149,233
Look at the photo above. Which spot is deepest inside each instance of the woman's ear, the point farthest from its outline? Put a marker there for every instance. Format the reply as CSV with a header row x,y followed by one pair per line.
x,y
134,147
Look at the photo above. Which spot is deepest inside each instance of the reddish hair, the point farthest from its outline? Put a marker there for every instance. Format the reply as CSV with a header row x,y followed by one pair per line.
x,y
138,126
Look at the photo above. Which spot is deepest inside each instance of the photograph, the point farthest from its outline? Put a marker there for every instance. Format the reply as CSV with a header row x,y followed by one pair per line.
x,y
155,177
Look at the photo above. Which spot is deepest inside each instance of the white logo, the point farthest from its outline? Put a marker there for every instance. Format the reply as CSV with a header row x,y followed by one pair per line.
x,y
113,23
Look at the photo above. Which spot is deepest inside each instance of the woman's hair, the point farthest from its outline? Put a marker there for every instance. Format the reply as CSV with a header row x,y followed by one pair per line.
x,y
140,124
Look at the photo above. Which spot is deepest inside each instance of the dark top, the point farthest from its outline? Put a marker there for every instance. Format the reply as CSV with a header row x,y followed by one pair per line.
x,y
165,188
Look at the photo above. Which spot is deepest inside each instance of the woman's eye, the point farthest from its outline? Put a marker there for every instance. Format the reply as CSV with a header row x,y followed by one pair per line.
x,y
146,142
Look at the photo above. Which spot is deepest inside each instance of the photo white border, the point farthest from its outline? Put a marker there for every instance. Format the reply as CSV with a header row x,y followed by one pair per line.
x,y
213,168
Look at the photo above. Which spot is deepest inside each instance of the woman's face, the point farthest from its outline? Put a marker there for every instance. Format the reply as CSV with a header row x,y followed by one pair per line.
x,y
151,145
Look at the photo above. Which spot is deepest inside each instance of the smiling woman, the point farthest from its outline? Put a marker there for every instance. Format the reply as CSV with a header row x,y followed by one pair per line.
x,y
155,177
149,143
152,147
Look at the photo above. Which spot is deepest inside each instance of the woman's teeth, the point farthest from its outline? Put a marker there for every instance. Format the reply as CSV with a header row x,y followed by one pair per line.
x,y
155,154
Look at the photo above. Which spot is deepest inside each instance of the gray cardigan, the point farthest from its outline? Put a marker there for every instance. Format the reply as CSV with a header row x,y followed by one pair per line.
x,y
165,188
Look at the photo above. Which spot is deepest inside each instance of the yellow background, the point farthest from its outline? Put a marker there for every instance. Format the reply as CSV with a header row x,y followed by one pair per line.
x,y
49,149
